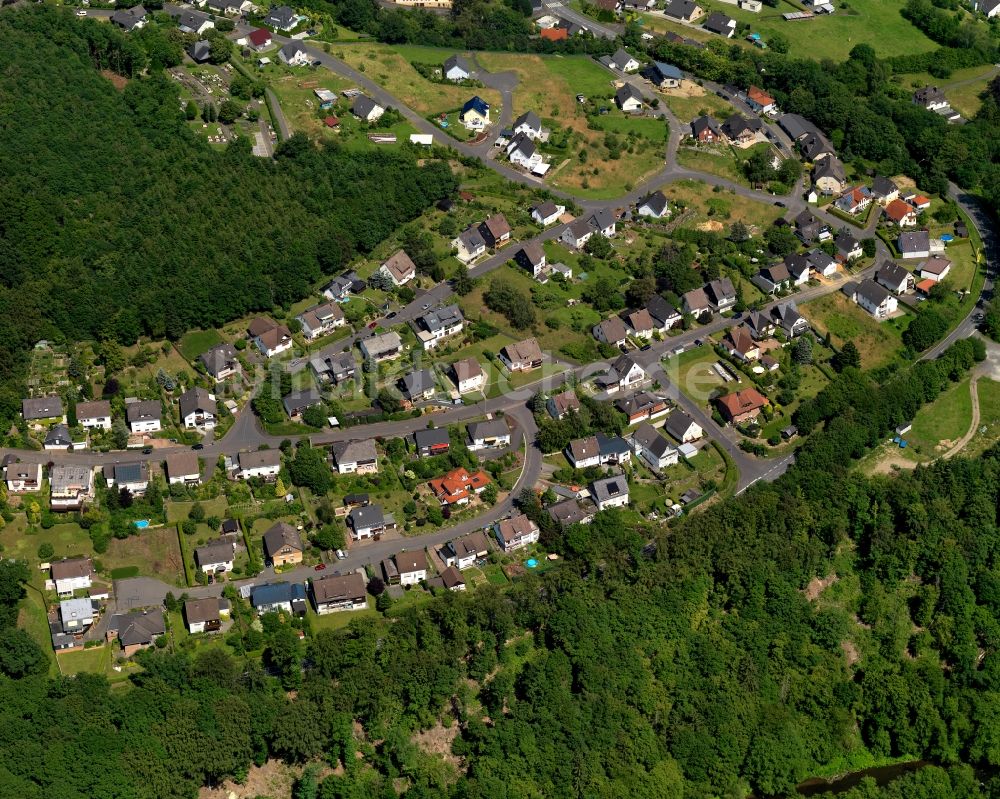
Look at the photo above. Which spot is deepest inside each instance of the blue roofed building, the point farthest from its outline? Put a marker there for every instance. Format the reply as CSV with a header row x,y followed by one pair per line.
x,y
666,76
475,114
279,598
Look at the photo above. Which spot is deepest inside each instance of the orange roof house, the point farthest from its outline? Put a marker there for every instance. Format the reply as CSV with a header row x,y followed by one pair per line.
x,y
458,486
742,406
555,34
902,213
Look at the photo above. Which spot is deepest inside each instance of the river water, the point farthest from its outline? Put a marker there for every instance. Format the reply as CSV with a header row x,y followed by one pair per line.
x,y
881,774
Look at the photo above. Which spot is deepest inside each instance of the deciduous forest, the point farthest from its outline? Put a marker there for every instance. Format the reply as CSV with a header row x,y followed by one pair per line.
x,y
116,222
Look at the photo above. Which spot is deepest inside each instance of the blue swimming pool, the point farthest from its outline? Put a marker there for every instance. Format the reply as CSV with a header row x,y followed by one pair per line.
x,y
141,524
531,563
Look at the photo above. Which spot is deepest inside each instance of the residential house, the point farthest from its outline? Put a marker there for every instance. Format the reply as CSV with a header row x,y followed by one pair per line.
x,y
696,302
562,404
723,26
629,99
901,213
742,406
640,323
663,314
641,406
475,114
788,318
341,287
366,109
336,369
884,191
23,477
872,297
934,268
572,511
76,615
469,245
418,385
610,492
197,409
457,68
739,343
491,434
663,76
523,356
355,457
337,592
205,615
129,19
847,247
43,409
521,151
436,325
495,230
412,567
294,55
143,416
265,463
760,101
200,52
70,486
259,40
577,233
528,124
515,533
759,325
451,578
854,200
706,130
653,448
279,598
94,415
215,556
894,277
682,427
919,201
683,10
58,438
221,362
382,347
623,375
321,320
531,257
583,452
281,17
798,269
816,147
459,486
914,244
611,331
468,375
298,402
369,521
741,130
399,268
772,278
931,98
821,263
71,574
136,630
654,205
188,22
990,8
131,476
547,213
269,337
829,175
718,295
183,467
809,229
432,441
283,544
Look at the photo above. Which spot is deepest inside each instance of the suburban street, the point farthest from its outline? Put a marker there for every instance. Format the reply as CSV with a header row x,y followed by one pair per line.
x,y
246,434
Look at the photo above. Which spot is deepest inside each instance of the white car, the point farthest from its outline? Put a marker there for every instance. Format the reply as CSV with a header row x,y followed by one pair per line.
x,y
341,554
81,12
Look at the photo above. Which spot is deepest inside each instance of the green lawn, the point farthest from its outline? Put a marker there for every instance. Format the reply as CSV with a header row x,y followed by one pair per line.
x,y
692,372
178,511
494,574
67,540
720,161
877,342
687,108
196,342
723,206
962,87
33,620
336,621
940,424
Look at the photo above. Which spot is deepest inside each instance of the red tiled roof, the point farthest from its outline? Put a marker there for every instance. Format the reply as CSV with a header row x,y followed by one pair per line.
x,y
555,34
897,210
925,286
743,401
331,122
760,96
458,484
260,36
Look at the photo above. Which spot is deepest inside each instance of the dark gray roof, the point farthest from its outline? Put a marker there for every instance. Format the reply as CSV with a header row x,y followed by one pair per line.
x,y
492,428
195,399
718,23
609,488
137,472
786,315
679,9
441,318
276,593
892,273
282,15
367,516
218,358
290,50
200,51
418,382
721,289
298,401
58,436
627,92
41,408
279,535
796,126
736,124
882,186
458,61
677,424
472,238
647,436
529,118
832,167
609,446
661,310
523,144
621,58
219,551
845,242
431,437
139,626
705,122
814,145
363,106
656,202
915,241
872,291
571,511
143,410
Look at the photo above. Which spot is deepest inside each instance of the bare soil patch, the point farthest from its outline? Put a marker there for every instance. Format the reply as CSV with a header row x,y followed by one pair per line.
x,y
117,80
437,741
818,585
275,779
850,652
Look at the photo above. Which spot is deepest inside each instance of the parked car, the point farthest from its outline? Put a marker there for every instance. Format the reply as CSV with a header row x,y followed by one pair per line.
x,y
341,554
147,451
319,567
199,445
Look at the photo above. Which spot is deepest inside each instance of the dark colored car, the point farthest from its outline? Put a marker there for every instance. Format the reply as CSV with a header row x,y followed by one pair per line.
x,y
198,446
319,567
779,203
147,451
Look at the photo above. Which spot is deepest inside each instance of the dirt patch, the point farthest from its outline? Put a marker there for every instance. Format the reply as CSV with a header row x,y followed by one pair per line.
x,y
818,585
892,462
117,80
687,89
275,778
711,227
437,741
850,652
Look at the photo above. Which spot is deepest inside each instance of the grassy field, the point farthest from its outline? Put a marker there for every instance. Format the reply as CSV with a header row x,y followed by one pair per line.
x,y
693,374
874,22
178,511
989,417
938,425
723,206
877,342
962,88
66,539
33,620
694,102
155,552
720,161
394,72
196,342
